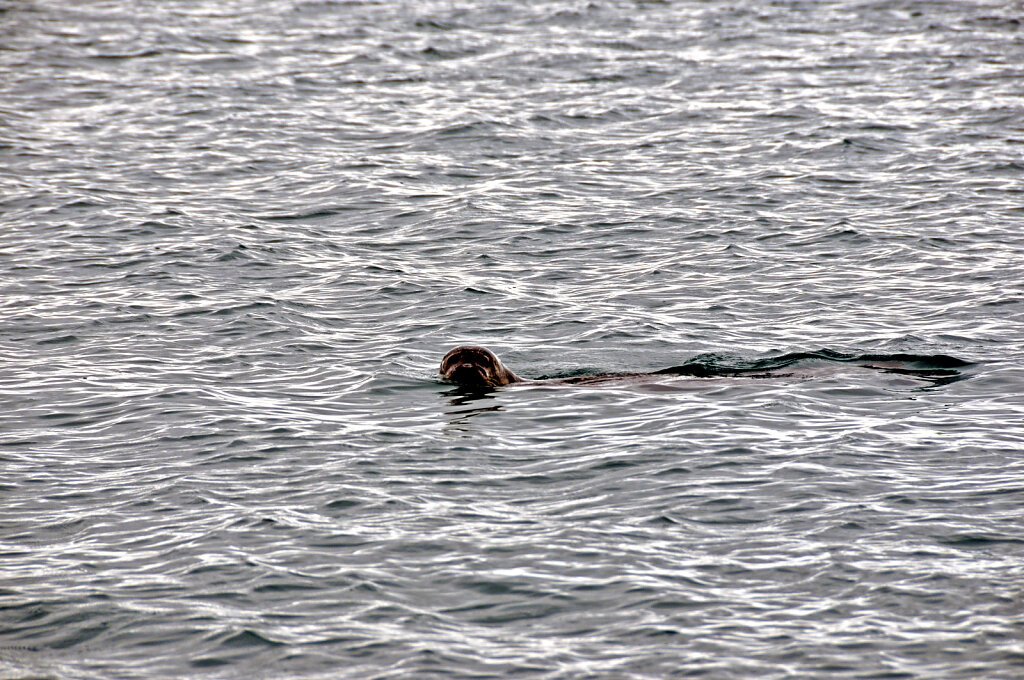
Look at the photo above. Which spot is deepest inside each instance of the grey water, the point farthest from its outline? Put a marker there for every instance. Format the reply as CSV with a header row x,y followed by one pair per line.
x,y
236,238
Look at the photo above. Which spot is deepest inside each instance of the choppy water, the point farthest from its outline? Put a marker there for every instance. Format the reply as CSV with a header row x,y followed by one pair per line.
x,y
237,237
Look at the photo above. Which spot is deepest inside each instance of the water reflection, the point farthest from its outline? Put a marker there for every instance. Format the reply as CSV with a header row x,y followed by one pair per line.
x,y
464,396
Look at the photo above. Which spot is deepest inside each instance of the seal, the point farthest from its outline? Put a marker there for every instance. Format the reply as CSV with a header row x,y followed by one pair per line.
x,y
477,368
473,366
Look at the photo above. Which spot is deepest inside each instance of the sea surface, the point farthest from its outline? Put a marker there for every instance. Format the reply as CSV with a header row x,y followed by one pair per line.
x,y
237,237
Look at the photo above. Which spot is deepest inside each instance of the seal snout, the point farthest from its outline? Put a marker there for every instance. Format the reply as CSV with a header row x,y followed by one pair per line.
x,y
466,374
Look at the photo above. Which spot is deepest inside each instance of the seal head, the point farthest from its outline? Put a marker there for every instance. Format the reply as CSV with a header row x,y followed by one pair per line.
x,y
472,366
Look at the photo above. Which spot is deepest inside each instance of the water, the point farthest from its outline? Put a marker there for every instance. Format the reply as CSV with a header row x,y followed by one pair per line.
x,y
236,239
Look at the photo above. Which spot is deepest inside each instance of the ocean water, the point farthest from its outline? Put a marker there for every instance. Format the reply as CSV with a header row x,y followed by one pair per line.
x,y
237,237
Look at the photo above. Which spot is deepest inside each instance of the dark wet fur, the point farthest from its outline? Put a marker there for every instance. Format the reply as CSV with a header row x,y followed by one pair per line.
x,y
474,366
